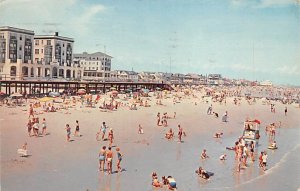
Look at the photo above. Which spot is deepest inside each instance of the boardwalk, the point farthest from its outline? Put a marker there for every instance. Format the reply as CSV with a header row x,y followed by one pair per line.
x,y
43,87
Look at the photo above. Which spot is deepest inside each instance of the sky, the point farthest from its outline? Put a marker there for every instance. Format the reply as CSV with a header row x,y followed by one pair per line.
x,y
240,39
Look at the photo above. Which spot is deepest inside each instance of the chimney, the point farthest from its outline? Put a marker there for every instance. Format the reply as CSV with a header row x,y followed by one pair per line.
x,y
56,34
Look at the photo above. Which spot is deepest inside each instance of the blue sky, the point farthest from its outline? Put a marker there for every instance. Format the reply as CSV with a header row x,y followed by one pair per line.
x,y
185,36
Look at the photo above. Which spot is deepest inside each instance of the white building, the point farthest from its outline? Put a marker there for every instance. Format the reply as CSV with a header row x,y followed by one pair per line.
x,y
122,75
16,48
266,83
53,55
96,66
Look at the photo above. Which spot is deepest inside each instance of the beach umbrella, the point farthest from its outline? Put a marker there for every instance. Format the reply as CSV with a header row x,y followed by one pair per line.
x,y
45,99
112,88
257,121
81,91
16,95
145,90
54,94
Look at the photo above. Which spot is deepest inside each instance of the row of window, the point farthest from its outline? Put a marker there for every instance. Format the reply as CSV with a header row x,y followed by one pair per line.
x,y
37,42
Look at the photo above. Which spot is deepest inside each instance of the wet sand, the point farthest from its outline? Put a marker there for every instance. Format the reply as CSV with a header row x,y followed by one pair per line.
x,y
55,164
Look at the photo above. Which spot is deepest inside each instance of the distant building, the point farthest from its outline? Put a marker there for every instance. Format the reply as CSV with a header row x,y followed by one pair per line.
x,y
214,79
53,55
16,53
96,66
122,75
266,83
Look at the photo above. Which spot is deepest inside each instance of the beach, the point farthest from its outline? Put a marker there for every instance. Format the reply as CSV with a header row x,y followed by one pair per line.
x,y
55,164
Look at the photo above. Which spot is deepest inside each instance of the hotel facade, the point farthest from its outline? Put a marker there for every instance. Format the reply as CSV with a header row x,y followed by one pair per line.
x,y
24,56
16,53
96,66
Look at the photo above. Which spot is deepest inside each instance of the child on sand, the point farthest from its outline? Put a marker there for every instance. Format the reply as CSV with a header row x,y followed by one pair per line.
x,y
110,136
223,157
140,131
44,127
23,150
119,155
29,127
77,133
218,135
204,155
68,129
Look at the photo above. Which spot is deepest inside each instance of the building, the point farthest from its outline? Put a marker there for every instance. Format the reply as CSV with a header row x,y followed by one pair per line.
x,y
16,53
122,75
266,83
96,66
214,79
53,56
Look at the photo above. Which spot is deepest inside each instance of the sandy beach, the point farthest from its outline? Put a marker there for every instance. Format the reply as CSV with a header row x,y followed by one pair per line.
x,y
55,164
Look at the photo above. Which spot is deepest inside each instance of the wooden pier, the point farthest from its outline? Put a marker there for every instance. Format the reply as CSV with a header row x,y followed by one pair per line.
x,y
44,87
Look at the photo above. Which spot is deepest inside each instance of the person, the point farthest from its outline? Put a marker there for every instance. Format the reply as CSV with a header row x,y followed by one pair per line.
x,y
23,150
261,159
158,119
264,160
204,155
285,111
169,135
44,127
155,181
174,115
36,127
140,131
180,132
225,116
252,150
119,155
77,133
29,127
68,129
209,110
110,136
31,112
223,157
273,145
102,154
103,129
218,135
216,114
171,183
202,173
109,158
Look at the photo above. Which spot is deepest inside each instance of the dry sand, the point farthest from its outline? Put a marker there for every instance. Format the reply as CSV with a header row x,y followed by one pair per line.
x,y
55,164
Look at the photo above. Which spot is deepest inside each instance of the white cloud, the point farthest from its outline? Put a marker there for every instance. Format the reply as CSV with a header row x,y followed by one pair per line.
x,y
263,3
289,70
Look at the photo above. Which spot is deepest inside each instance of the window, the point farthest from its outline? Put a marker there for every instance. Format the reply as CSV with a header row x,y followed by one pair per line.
x,y
36,51
63,45
42,41
42,50
36,42
20,48
48,42
20,37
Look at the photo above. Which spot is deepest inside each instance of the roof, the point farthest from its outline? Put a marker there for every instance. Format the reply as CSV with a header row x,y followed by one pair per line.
x,y
18,30
96,54
53,37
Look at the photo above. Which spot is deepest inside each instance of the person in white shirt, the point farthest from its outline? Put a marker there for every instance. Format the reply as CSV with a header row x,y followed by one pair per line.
x,y
264,159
